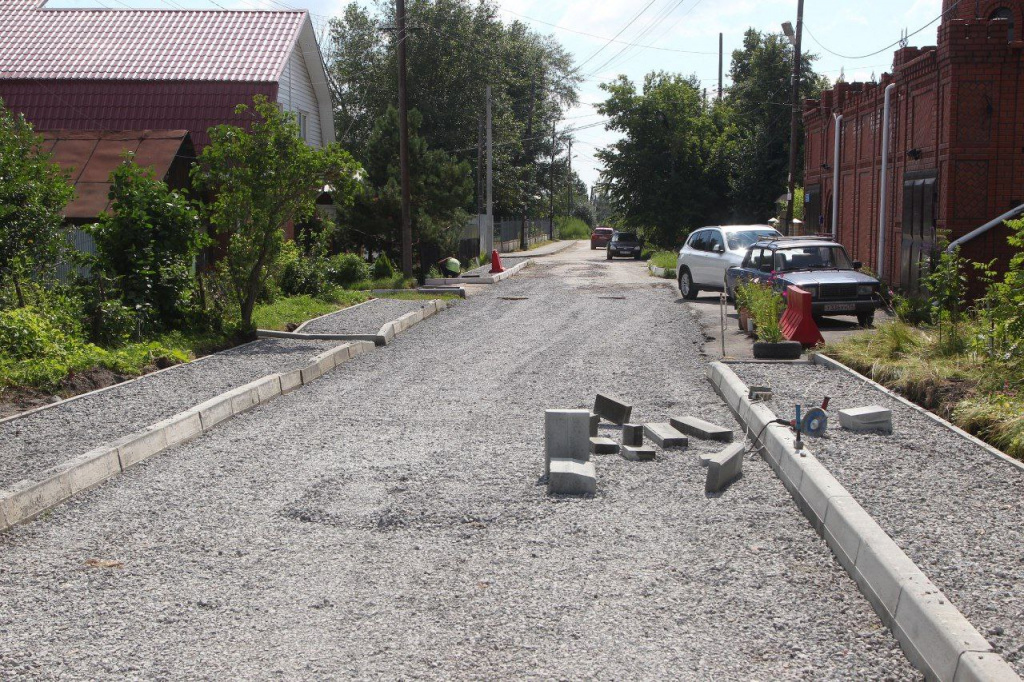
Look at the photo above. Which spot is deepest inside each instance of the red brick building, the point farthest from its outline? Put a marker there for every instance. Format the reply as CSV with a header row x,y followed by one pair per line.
x,y
956,144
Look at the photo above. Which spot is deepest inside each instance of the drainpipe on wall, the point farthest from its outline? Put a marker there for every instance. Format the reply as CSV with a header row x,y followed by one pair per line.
x,y
985,228
882,181
835,177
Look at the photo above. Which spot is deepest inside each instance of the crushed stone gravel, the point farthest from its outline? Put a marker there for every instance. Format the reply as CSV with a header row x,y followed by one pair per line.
x,y
33,443
366,318
506,262
954,508
378,523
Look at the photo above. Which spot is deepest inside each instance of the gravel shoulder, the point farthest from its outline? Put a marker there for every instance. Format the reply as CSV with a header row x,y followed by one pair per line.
x,y
366,318
954,508
370,526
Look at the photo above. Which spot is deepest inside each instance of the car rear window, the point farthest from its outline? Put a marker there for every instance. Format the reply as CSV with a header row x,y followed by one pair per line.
x,y
603,230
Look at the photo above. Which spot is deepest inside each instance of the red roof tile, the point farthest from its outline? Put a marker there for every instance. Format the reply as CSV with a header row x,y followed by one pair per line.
x,y
144,44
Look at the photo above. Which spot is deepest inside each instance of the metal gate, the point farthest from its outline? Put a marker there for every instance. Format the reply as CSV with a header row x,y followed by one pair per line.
x,y
918,226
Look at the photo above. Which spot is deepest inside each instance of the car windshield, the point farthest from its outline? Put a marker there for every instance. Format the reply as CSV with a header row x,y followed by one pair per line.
x,y
746,238
812,258
625,237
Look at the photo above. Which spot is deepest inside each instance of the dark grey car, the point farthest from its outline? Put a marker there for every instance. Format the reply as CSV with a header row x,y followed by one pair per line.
x,y
819,266
624,244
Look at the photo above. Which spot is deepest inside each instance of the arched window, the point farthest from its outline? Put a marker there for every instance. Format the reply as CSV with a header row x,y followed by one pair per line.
x,y
1005,13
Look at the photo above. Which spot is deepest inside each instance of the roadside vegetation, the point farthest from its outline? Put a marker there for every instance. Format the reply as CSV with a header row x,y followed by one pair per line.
x,y
964,362
664,259
571,228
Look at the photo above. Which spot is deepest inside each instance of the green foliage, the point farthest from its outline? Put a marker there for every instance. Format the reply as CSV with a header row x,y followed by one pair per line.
x,y
26,334
261,178
946,284
765,306
110,322
997,419
348,268
298,309
147,246
584,212
33,194
571,228
383,268
664,259
912,309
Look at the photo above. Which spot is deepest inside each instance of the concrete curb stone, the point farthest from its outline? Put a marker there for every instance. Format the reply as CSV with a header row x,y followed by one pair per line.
x,y
665,436
933,633
571,477
637,453
698,428
724,468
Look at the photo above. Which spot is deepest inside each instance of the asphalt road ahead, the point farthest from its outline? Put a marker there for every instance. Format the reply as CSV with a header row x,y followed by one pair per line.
x,y
386,522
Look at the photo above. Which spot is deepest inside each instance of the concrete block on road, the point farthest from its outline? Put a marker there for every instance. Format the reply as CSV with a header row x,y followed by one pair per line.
x,y
94,467
311,373
870,418
665,435
723,455
571,477
633,434
603,446
215,410
268,387
566,436
243,398
612,409
976,666
181,427
724,468
26,499
141,445
595,423
692,426
290,381
637,453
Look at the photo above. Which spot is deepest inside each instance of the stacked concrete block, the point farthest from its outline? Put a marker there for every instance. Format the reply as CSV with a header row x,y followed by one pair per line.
x,y
665,435
595,422
571,477
637,453
724,468
566,436
633,434
870,418
698,428
705,460
612,409
603,446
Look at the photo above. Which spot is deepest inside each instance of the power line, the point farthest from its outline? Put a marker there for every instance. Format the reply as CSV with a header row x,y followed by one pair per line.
x,y
887,47
615,37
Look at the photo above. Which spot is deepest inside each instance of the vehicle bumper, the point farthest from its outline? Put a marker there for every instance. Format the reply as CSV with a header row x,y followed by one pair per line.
x,y
848,307
624,252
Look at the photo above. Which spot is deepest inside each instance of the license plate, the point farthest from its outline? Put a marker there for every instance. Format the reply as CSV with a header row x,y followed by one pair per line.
x,y
836,307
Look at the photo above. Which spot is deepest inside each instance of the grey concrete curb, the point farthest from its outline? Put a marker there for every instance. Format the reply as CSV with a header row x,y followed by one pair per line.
x,y
483,279
299,336
320,317
825,361
395,327
660,272
27,499
935,636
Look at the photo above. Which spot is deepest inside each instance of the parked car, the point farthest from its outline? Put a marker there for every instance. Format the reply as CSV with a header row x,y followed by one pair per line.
x,y
710,251
600,237
624,244
819,266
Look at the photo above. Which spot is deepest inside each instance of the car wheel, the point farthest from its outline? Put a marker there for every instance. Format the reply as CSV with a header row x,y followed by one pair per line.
x,y
636,256
593,246
687,288
609,254
866,320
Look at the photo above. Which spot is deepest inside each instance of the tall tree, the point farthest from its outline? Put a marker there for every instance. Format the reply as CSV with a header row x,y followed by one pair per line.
x,y
760,107
668,172
262,177
33,194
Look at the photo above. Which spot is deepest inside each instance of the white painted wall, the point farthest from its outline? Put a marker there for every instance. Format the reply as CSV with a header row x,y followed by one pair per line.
x,y
295,93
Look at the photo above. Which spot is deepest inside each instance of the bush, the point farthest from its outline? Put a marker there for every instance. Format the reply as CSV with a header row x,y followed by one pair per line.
x,y
766,306
383,268
25,334
346,269
571,228
111,323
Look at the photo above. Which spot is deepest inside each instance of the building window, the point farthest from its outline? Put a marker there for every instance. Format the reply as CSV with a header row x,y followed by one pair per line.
x,y
1005,13
303,119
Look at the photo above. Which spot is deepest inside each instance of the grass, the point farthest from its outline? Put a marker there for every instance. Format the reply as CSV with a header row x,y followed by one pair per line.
x,y
540,244
399,281
298,309
571,228
979,394
664,259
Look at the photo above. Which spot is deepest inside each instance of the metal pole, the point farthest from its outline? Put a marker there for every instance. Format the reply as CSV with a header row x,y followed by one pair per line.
x,y
551,182
527,150
794,124
883,180
568,182
720,55
403,143
480,183
835,175
490,178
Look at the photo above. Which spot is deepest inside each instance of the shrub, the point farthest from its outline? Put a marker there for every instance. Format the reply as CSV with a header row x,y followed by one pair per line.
x,y
571,228
25,334
111,323
348,268
766,306
383,268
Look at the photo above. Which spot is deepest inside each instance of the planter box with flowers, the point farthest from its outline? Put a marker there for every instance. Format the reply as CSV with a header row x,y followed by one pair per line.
x,y
759,300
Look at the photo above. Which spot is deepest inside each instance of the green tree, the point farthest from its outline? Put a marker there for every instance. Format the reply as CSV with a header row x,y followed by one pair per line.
x,y
759,110
261,178
668,172
148,243
33,194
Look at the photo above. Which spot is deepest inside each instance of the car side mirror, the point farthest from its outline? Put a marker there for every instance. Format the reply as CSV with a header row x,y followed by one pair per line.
x,y
857,265
719,249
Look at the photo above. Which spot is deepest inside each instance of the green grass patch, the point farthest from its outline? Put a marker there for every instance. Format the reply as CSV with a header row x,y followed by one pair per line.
x,y
297,309
571,228
664,259
399,281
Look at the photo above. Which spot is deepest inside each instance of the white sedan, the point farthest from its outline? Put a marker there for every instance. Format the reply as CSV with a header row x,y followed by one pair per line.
x,y
710,251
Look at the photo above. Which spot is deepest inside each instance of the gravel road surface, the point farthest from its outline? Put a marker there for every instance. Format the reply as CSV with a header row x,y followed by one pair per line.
x,y
506,262
954,508
33,443
366,318
371,525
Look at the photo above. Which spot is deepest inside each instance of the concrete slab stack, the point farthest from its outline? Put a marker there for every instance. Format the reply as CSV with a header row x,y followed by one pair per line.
x,y
603,446
665,435
633,434
698,428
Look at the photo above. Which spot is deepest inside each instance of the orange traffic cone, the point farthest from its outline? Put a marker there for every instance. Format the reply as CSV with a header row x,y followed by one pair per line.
x,y
496,263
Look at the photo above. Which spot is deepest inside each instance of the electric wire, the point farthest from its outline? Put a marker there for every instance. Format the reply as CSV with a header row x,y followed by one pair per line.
x,y
887,47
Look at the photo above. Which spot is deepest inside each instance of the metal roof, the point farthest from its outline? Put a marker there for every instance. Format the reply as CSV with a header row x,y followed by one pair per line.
x,y
145,45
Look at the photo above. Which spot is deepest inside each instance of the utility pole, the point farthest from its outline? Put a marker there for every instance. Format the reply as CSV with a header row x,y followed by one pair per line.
x,y
720,54
568,182
403,142
551,181
490,179
480,180
527,148
794,125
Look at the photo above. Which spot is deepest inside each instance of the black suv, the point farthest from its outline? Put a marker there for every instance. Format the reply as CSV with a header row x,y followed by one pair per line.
x,y
624,244
817,265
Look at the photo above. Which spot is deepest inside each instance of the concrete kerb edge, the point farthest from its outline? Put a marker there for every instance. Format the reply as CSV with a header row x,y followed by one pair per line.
x,y
395,327
488,279
832,363
934,635
333,312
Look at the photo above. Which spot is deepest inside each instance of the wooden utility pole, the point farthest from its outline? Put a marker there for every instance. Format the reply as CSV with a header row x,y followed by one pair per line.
x,y
568,182
720,60
490,178
480,181
551,181
403,142
527,151
794,125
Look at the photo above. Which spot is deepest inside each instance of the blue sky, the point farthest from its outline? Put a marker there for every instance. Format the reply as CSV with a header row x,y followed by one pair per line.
x,y
848,27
